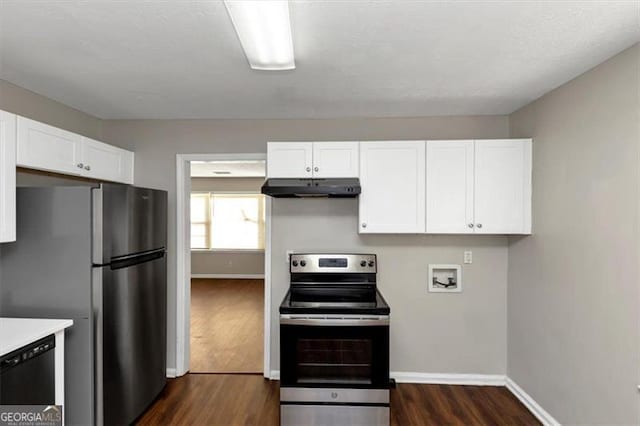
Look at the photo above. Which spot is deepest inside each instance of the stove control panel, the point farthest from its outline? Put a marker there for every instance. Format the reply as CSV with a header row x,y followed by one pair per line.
x,y
332,263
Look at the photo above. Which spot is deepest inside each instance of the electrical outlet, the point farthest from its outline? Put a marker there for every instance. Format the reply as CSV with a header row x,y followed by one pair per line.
x,y
289,253
468,257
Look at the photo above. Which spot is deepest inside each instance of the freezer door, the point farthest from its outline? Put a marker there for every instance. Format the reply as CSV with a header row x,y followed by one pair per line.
x,y
131,305
127,220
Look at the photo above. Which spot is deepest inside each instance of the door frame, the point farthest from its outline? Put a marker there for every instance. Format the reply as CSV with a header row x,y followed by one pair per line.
x,y
183,266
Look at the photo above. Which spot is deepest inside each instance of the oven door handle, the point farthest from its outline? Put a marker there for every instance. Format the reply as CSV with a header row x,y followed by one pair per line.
x,y
330,321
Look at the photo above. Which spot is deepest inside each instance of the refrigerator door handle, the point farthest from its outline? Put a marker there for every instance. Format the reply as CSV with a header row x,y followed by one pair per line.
x,y
134,259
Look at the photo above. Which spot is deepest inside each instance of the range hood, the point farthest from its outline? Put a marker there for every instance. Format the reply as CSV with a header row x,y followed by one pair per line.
x,y
297,188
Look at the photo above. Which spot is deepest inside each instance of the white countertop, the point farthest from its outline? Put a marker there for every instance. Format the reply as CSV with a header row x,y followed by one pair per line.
x,y
18,332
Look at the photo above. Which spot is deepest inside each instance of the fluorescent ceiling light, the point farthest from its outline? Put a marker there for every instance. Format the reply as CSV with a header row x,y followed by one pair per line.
x,y
264,31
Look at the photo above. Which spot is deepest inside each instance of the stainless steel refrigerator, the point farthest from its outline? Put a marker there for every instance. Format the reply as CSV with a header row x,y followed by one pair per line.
x,y
96,255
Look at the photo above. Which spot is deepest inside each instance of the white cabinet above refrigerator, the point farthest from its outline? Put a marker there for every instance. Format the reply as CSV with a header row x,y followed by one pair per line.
x,y
44,147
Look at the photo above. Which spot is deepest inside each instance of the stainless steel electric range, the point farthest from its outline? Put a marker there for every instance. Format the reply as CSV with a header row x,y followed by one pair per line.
x,y
334,342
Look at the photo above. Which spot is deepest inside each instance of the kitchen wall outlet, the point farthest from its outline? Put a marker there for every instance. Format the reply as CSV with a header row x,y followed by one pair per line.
x,y
445,278
468,257
289,253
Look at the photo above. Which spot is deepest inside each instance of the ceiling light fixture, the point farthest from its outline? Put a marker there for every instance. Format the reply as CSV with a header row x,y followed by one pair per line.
x,y
264,30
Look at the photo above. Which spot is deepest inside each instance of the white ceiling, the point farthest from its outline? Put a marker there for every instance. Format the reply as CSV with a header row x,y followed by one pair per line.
x,y
182,59
228,169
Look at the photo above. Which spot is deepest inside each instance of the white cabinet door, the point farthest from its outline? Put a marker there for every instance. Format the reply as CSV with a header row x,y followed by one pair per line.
x,y
7,177
289,159
45,147
106,162
503,186
450,187
392,175
336,159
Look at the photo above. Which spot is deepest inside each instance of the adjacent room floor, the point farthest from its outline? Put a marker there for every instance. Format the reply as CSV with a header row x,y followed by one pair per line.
x,y
227,326
241,399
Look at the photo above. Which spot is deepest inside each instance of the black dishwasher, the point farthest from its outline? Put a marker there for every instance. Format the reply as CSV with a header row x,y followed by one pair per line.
x,y
27,375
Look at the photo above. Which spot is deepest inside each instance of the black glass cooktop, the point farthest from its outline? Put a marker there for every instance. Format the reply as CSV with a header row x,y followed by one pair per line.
x,y
334,300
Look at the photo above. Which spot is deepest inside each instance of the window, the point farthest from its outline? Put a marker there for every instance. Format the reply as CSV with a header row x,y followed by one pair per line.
x,y
227,221
200,221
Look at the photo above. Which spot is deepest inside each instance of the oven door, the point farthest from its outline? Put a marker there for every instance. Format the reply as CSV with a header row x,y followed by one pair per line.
x,y
339,352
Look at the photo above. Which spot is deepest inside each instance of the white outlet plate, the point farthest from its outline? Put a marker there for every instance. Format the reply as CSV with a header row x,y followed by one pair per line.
x,y
468,257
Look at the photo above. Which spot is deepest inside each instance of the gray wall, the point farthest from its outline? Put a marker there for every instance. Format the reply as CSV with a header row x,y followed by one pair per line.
x,y
227,262
430,332
205,262
31,105
156,143
240,184
573,297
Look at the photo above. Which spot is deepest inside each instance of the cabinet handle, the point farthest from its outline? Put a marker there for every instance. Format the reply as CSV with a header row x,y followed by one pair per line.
x,y
308,169
316,169
364,225
479,225
80,165
87,168
470,225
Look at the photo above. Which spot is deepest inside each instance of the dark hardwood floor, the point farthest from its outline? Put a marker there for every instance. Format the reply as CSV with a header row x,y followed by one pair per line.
x,y
227,326
228,399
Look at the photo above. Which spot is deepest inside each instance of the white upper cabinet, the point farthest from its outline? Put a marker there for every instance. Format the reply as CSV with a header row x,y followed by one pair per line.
x,y
481,186
7,177
289,159
392,176
45,147
312,159
433,187
503,186
106,162
335,159
450,187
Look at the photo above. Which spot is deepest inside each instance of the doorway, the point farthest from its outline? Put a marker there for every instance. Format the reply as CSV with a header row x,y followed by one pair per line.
x,y
223,242
227,266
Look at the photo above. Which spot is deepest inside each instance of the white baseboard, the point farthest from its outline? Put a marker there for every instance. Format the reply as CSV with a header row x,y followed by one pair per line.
x,y
448,379
531,404
435,378
230,276
468,379
171,373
